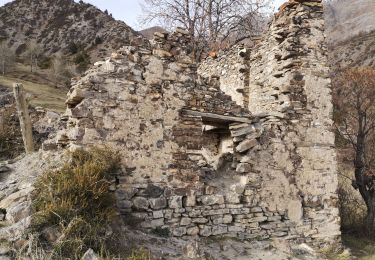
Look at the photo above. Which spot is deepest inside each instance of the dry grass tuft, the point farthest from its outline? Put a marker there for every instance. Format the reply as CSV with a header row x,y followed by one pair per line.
x,y
140,254
77,202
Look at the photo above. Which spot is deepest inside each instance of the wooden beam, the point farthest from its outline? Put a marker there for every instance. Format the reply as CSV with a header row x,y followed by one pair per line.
x,y
216,118
24,117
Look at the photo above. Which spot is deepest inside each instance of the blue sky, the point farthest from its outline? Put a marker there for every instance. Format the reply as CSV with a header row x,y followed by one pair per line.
x,y
126,10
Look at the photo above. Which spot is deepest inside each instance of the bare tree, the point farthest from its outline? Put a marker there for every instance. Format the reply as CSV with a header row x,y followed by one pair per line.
x,y
7,57
354,99
211,23
34,53
60,70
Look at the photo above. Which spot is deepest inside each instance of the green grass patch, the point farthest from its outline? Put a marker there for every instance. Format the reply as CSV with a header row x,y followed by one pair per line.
x,y
43,95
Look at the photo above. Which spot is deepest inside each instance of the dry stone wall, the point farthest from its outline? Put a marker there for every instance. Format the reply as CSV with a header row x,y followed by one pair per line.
x,y
133,101
198,163
289,87
289,80
232,66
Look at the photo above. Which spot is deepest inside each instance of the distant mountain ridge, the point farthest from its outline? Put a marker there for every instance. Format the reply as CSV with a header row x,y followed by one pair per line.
x,y
348,18
149,32
350,30
56,24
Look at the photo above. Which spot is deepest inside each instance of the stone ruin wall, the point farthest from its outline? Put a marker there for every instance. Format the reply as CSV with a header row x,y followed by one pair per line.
x,y
289,87
197,163
232,66
289,80
133,102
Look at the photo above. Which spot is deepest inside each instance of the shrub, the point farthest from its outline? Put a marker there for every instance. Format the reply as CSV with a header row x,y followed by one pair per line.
x,y
77,201
98,40
73,47
45,62
11,144
352,208
81,57
82,60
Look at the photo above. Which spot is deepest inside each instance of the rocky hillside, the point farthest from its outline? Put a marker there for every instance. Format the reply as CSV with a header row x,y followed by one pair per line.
x,y
348,18
60,25
355,52
351,32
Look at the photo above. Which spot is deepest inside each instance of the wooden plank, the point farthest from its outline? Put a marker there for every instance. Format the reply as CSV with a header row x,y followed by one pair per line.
x,y
24,117
216,118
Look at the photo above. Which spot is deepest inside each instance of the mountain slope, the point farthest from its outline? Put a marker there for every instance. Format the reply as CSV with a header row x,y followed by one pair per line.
x,y
348,18
350,29
357,51
56,24
149,32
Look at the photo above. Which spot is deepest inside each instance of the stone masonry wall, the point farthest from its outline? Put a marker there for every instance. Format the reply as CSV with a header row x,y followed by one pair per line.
x,y
196,162
232,67
289,81
289,87
133,102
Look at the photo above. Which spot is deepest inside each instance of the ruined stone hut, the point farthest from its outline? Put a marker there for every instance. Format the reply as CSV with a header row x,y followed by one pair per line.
x,y
240,146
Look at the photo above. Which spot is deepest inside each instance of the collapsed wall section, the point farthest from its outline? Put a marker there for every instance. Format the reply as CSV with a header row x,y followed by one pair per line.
x,y
232,66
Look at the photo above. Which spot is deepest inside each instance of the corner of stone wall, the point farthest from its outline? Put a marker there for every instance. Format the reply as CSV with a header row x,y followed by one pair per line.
x,y
289,82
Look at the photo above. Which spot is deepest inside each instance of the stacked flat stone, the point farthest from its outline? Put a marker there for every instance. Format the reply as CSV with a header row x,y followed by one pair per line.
x,y
253,175
232,66
148,86
289,92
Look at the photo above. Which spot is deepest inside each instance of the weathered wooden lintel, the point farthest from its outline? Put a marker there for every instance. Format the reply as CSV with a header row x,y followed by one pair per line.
x,y
216,118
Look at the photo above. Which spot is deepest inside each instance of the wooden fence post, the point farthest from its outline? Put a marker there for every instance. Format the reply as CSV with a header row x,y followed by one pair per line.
x,y
1,123
24,117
